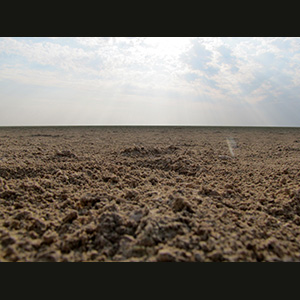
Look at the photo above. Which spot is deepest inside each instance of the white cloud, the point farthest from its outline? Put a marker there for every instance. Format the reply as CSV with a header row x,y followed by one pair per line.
x,y
154,73
251,69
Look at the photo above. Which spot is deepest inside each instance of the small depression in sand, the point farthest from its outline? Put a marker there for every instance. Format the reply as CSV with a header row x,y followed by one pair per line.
x,y
153,194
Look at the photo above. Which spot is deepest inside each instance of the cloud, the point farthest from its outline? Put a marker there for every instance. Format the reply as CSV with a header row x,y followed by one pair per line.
x,y
247,69
191,75
227,57
198,57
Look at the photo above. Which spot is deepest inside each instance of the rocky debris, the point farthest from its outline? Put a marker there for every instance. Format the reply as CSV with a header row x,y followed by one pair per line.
x,y
172,196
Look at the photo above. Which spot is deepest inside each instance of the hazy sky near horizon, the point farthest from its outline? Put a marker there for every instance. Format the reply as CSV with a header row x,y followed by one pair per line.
x,y
232,81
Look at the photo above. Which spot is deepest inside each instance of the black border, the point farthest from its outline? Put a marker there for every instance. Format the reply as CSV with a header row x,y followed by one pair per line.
x,y
149,19
184,280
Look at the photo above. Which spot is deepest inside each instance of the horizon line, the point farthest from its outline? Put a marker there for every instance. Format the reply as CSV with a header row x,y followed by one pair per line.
x,y
146,125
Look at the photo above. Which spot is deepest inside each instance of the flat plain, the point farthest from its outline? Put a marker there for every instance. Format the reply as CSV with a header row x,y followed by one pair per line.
x,y
149,193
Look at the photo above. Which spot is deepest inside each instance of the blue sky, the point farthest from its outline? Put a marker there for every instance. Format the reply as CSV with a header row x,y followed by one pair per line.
x,y
231,81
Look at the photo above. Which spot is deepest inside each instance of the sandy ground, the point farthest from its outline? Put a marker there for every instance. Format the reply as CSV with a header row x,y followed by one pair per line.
x,y
149,194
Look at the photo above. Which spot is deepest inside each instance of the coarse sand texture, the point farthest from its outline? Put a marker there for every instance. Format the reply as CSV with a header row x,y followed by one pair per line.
x,y
154,194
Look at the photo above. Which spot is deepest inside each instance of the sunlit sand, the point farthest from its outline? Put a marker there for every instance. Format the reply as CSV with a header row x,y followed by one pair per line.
x,y
149,194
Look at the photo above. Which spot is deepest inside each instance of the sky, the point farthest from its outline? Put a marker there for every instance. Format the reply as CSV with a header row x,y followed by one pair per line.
x,y
227,81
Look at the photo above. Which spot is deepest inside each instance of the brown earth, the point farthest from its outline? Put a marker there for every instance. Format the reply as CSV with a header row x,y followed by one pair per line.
x,y
149,194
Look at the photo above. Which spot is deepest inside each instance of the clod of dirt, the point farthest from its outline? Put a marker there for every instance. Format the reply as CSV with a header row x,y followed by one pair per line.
x,y
65,153
179,203
70,216
166,255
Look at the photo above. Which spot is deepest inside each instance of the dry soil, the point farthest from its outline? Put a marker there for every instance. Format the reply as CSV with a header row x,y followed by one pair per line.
x,y
149,194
